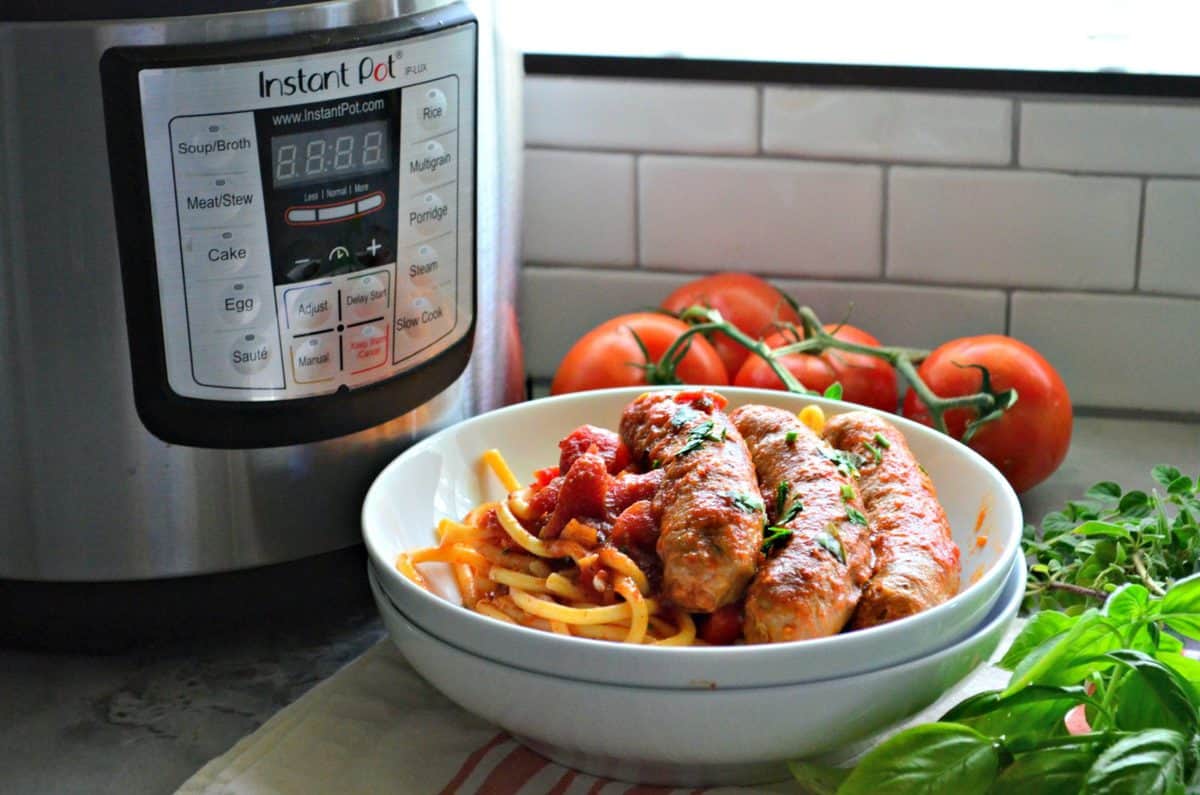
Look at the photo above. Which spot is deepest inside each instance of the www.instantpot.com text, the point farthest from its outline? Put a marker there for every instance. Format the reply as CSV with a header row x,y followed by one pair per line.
x,y
350,107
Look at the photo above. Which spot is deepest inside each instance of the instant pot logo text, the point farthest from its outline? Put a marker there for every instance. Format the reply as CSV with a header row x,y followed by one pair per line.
x,y
302,81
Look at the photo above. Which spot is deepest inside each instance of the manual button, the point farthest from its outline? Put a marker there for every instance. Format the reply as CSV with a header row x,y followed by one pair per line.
x,y
314,358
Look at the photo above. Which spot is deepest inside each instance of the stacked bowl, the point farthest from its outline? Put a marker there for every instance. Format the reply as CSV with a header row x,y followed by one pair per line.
x,y
680,715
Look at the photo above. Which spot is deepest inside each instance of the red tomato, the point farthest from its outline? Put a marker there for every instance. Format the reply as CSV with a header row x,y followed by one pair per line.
x,y
743,299
864,379
608,355
722,627
1030,440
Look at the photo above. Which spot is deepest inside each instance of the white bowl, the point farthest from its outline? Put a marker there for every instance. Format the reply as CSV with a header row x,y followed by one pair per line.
x,y
443,477
686,737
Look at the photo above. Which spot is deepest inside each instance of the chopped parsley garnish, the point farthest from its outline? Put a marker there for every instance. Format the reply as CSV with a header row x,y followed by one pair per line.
x,y
847,492
876,453
699,435
656,463
882,441
773,536
846,461
791,436
781,494
682,415
833,545
855,515
747,502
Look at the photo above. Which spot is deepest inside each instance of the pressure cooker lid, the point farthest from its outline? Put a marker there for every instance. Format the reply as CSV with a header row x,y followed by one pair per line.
x,y
76,10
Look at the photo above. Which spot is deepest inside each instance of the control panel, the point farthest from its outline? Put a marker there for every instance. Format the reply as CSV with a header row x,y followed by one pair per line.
x,y
312,216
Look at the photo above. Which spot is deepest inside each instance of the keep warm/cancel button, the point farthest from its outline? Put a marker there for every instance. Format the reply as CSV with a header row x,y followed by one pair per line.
x,y
365,347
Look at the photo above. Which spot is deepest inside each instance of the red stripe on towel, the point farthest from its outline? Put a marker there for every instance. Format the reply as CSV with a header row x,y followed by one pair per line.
x,y
513,772
471,762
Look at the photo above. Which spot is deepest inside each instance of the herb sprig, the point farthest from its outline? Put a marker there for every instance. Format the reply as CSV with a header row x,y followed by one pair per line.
x,y
1092,546
1139,694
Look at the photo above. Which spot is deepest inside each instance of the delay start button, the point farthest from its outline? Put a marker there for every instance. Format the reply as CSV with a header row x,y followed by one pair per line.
x,y
365,297
250,353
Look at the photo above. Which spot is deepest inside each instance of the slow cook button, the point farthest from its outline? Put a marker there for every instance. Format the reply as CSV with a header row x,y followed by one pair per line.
x,y
429,214
206,202
250,354
365,297
365,347
421,319
310,307
314,358
239,304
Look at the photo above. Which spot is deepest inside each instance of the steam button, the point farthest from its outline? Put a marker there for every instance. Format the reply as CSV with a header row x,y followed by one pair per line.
x,y
250,353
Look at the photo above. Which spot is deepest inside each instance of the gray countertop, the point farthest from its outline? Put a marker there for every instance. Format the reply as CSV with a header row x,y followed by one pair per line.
x,y
144,720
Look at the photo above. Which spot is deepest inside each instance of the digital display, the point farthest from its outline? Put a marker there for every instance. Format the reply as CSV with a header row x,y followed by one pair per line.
x,y
320,155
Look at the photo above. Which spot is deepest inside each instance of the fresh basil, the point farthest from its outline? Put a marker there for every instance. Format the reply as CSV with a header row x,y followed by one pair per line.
x,y
936,757
833,545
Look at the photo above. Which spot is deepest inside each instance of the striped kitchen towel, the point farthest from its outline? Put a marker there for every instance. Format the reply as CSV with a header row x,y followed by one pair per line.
x,y
376,727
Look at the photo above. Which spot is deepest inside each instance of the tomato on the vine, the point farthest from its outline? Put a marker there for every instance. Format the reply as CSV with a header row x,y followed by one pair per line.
x,y
1029,441
746,301
609,355
864,379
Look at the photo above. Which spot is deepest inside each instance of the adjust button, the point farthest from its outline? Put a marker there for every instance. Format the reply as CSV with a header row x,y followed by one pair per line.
x,y
310,307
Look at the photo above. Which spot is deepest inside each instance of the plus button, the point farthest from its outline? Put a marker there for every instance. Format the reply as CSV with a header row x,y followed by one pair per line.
x,y
374,247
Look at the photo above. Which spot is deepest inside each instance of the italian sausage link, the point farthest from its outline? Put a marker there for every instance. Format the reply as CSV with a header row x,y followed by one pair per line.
x,y
916,559
709,537
809,587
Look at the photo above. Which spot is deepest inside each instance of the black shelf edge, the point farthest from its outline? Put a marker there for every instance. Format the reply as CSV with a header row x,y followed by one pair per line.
x,y
1107,83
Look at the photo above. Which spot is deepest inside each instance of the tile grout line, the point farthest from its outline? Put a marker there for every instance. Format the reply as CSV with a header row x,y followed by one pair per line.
x,y
1141,231
637,213
1015,161
1008,311
760,116
885,218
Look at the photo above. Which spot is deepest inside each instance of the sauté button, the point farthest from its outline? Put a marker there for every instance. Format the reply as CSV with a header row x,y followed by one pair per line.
x,y
250,353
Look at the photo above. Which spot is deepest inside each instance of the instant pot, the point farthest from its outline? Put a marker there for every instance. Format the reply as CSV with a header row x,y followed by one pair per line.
x,y
248,253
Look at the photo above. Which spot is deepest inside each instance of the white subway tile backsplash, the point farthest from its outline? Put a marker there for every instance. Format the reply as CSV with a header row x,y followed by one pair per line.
x,y
887,125
1011,228
763,215
559,304
1116,351
649,116
1171,237
1098,136
579,208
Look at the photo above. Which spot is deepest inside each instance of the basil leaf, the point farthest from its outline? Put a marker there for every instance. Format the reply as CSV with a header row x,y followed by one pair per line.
x,y
818,779
832,545
1097,528
855,516
1127,604
1066,659
1036,710
746,502
1102,490
833,391
935,757
1180,607
1166,475
1148,763
1051,771
1135,505
1037,630
1153,695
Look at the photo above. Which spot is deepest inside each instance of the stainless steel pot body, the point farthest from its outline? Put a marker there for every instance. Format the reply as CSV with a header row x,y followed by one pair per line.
x,y
86,492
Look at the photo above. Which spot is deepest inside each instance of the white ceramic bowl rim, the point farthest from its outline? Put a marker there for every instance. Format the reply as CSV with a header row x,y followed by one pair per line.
x,y
991,579
1005,608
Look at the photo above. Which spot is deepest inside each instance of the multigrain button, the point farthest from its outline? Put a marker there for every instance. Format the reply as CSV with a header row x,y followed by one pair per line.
x,y
250,353
310,307
430,163
314,358
239,304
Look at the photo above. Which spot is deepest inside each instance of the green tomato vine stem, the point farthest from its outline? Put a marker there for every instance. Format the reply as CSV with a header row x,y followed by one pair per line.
x,y
987,404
